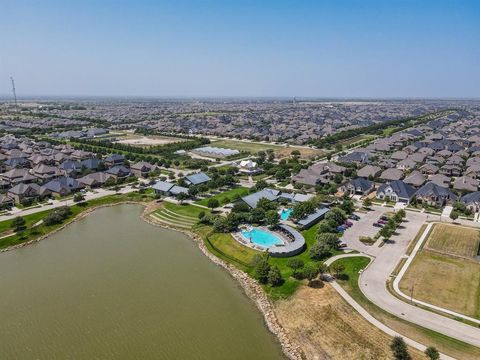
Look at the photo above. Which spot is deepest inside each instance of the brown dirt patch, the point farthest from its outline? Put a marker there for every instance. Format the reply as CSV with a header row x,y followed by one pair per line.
x,y
327,327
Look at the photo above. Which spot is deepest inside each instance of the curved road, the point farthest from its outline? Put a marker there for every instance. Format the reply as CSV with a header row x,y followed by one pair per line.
x,y
373,280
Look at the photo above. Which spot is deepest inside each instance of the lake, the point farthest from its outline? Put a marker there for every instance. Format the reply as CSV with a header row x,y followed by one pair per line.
x,y
111,286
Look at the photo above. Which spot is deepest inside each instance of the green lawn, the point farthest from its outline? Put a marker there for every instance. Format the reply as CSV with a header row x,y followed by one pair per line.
x,y
185,209
228,249
244,146
230,194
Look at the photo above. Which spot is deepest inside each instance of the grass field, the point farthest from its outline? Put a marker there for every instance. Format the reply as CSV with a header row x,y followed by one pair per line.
x,y
279,150
230,194
239,145
449,282
454,240
445,344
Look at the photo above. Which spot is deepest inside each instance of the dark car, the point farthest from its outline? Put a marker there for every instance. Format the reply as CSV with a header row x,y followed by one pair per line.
x,y
354,217
382,221
383,217
377,224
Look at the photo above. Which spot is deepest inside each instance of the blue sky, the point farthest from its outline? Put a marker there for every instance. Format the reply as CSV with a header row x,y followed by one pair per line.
x,y
317,48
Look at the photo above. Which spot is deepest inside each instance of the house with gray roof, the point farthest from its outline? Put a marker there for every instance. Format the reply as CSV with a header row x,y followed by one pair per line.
x,y
358,186
396,191
391,174
415,178
61,186
472,201
369,171
466,184
435,195
197,179
24,192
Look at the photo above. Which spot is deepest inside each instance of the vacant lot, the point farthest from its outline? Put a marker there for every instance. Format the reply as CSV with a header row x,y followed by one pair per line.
x,y
327,327
454,240
305,153
449,282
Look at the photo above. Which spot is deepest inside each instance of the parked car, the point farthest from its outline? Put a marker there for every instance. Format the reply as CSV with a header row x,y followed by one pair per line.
x,y
348,223
376,224
341,228
342,245
354,217
383,217
381,221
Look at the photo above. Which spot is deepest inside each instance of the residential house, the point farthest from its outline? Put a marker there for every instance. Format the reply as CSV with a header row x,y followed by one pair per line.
x,y
141,169
396,191
466,184
248,167
435,195
429,169
358,186
415,178
406,164
440,180
118,172
24,192
45,172
472,201
95,179
391,174
369,171
61,186
16,176
114,160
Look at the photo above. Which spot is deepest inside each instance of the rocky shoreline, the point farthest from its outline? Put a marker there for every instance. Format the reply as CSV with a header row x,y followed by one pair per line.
x,y
250,286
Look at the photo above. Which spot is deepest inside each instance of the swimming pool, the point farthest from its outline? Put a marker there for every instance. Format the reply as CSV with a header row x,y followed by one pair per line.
x,y
285,214
261,238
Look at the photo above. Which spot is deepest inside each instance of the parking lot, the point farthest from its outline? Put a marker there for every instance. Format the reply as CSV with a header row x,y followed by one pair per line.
x,y
364,227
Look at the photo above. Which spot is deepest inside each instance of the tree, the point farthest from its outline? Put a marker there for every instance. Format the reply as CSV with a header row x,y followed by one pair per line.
x,y
295,264
432,353
262,269
213,203
272,218
274,276
310,271
337,268
257,216
326,226
319,251
399,349
367,203
18,224
78,197
329,239
182,197
454,215
385,232
336,215
347,206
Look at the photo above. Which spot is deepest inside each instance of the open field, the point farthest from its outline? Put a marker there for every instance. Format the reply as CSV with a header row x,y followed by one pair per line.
x,y
454,240
229,194
444,281
445,344
248,146
281,151
356,139
328,328
142,140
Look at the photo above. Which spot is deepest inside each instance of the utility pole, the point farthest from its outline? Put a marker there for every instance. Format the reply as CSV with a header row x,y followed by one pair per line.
x,y
411,293
14,93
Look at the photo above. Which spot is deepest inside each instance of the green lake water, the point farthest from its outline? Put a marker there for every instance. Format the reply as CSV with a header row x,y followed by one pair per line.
x,y
114,287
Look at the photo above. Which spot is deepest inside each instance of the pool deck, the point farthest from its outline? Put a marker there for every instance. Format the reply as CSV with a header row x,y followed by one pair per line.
x,y
241,239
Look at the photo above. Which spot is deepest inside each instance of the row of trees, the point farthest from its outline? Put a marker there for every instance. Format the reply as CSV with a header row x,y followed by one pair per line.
x,y
391,226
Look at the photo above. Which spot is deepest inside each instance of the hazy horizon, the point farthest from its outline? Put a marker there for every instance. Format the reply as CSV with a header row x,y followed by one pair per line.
x,y
216,49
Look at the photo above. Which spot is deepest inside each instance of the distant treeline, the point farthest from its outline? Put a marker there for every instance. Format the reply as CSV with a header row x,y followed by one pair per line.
x,y
378,128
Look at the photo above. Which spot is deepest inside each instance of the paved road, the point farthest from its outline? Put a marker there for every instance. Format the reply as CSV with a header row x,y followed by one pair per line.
x,y
373,279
